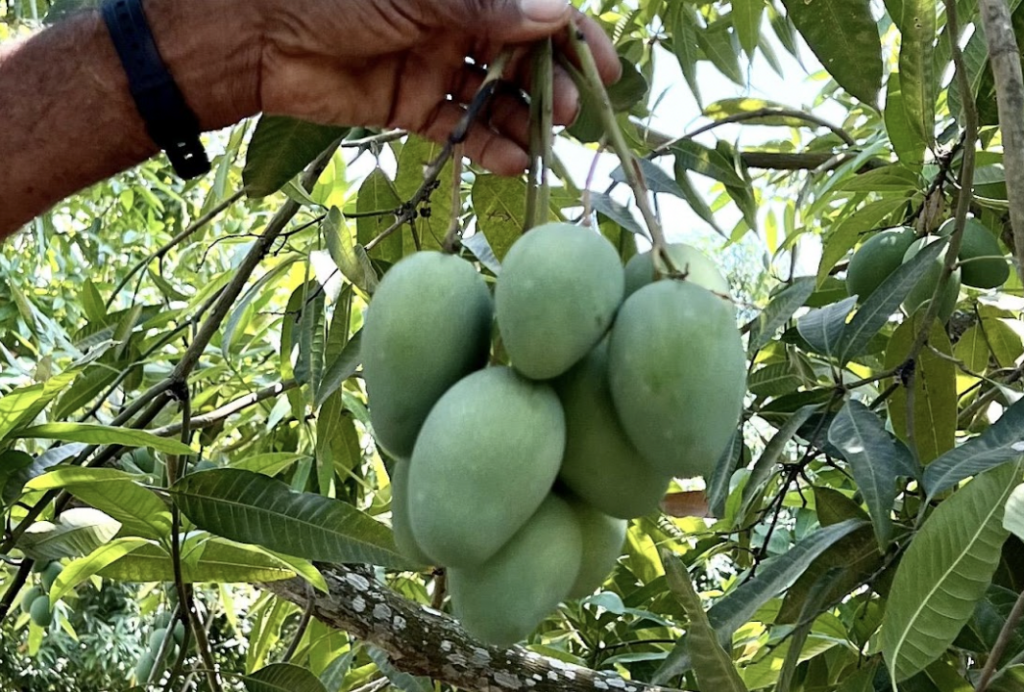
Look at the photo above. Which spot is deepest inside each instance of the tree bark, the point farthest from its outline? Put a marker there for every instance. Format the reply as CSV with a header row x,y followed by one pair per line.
x,y
422,641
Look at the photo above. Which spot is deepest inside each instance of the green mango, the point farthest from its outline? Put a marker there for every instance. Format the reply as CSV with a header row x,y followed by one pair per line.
x,y
982,264
601,466
876,259
503,600
602,539
487,456
50,574
400,515
156,640
179,632
29,597
144,668
677,374
428,325
40,611
697,267
559,288
921,294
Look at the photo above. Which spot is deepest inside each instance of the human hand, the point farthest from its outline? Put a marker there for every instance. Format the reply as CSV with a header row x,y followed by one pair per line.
x,y
403,64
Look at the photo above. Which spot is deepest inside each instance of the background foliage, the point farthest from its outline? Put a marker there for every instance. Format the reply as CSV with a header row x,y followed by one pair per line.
x,y
867,519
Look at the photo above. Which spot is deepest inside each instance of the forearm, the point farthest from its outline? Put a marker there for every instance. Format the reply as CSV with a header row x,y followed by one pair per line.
x,y
67,119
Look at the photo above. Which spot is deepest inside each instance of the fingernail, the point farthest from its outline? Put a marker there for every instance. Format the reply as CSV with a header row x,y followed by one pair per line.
x,y
543,10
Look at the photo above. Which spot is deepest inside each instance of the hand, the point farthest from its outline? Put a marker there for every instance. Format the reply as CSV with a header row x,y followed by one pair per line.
x,y
403,64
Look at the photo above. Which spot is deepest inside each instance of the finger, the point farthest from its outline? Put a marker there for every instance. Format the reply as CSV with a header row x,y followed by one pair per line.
x,y
506,111
506,21
490,149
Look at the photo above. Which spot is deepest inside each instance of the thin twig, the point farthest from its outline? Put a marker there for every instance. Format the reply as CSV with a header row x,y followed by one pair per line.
x,y
454,234
300,631
1005,635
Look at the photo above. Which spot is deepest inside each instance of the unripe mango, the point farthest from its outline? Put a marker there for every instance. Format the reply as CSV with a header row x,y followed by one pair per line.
x,y
29,598
876,259
982,263
677,374
921,294
559,288
144,668
694,264
601,466
50,574
486,458
400,515
40,611
429,325
602,538
503,600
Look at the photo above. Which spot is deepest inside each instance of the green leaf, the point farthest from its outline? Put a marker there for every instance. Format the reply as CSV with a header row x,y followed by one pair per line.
x,y
746,20
945,572
343,367
631,88
352,260
774,380
78,532
880,305
765,465
1004,341
1013,519
20,407
283,677
81,569
500,204
725,108
430,228
280,148
917,24
337,442
691,156
712,664
823,328
218,561
114,493
892,178
103,435
309,365
1002,442
844,36
251,508
779,311
871,454
718,487
717,43
604,204
906,139
685,30
378,195
972,350
269,464
846,235
935,399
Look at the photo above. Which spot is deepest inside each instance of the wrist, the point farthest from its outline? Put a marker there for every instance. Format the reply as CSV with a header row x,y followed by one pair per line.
x,y
212,49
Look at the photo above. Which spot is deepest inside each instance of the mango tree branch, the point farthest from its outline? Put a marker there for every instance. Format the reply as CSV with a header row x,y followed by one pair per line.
x,y
422,641
1004,56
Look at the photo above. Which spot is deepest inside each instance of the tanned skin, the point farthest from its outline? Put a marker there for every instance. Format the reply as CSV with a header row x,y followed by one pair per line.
x,y
67,119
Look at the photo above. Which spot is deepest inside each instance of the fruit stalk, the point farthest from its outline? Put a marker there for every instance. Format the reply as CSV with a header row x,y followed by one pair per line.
x,y
541,135
591,81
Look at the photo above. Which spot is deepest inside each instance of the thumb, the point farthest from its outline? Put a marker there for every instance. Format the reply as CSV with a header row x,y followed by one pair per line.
x,y
521,20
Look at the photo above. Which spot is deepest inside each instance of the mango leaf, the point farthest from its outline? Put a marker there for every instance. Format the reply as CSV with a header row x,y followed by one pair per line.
x,y
219,561
500,204
718,487
726,108
81,569
917,24
280,148
881,304
415,156
20,407
765,465
782,308
712,664
972,349
823,328
698,158
935,401
604,204
844,36
1002,442
906,139
774,380
103,435
746,20
716,41
685,30
252,508
869,450
269,464
945,572
115,493
341,369
78,532
377,196
283,677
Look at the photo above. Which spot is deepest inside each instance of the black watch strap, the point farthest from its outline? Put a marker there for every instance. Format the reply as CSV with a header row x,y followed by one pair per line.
x,y
169,121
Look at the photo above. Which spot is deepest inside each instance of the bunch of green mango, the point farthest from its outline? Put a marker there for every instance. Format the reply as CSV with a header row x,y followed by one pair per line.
x,y
981,265
520,458
36,600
